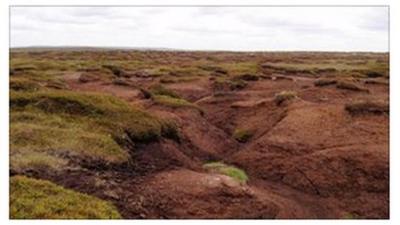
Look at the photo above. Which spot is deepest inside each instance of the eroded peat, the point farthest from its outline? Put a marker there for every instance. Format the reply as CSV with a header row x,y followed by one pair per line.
x,y
165,134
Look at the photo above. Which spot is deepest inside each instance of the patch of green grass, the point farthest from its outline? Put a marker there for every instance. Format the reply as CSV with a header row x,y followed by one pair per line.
x,y
312,68
159,89
27,137
163,96
30,160
175,102
107,111
284,96
39,199
238,68
22,84
231,171
242,135
89,126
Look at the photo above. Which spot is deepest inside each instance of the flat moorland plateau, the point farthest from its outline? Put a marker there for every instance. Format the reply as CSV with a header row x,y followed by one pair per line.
x,y
179,134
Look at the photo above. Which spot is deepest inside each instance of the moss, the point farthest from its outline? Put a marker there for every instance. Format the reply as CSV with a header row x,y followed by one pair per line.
x,y
242,135
284,96
39,199
231,171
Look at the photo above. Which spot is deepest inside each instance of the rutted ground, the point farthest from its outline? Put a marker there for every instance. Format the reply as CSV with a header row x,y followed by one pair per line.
x,y
306,133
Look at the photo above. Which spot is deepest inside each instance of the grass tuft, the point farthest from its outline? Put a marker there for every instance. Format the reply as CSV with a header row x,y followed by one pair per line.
x,y
175,102
231,171
159,89
21,84
39,199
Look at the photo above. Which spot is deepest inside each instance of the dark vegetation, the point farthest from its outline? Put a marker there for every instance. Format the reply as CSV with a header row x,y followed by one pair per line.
x,y
367,106
284,96
350,86
324,82
242,135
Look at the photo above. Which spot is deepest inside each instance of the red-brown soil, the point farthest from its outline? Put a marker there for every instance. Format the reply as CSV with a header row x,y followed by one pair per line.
x,y
307,158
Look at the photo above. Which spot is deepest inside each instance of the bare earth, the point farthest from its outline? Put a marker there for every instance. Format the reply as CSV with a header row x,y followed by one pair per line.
x,y
307,157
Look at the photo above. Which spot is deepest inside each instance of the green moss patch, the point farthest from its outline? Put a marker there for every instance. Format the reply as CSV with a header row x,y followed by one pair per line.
x,y
107,112
88,126
231,171
39,199
164,96
175,102
159,89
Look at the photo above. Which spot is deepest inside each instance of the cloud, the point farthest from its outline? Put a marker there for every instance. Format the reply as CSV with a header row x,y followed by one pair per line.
x,y
208,28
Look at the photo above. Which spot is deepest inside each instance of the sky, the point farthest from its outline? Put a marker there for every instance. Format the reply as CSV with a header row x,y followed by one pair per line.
x,y
204,28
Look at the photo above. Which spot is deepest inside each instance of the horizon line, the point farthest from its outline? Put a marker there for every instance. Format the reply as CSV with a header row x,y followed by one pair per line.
x,y
133,48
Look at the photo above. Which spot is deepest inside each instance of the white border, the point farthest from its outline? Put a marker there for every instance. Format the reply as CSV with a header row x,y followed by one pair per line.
x,y
394,102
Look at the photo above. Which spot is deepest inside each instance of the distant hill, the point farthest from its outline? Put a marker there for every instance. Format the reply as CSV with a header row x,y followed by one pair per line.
x,y
87,48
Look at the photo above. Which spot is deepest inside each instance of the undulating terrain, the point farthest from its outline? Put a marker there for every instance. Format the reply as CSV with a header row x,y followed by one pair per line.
x,y
97,133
